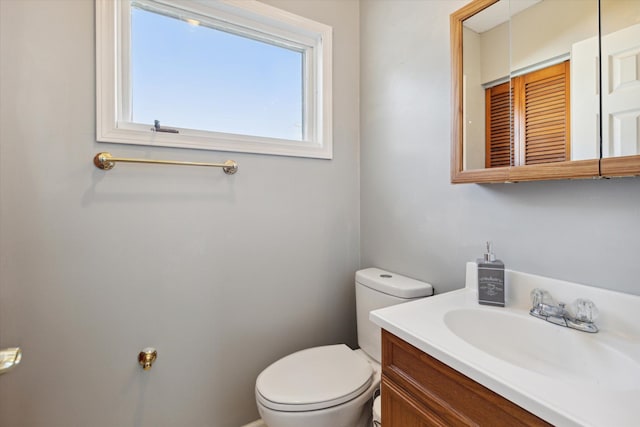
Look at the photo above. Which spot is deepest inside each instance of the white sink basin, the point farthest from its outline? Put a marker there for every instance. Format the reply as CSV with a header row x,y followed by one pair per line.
x,y
559,353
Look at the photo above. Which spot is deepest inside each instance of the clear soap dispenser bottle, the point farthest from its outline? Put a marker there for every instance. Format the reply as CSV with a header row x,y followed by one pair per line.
x,y
490,279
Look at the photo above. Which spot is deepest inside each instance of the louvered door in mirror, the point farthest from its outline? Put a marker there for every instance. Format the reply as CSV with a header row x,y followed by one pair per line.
x,y
541,116
499,126
532,125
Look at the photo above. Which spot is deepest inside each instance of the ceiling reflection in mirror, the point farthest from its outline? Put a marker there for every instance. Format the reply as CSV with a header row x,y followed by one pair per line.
x,y
620,44
530,83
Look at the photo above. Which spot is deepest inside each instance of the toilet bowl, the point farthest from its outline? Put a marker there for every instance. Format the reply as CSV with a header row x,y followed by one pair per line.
x,y
377,412
318,387
334,385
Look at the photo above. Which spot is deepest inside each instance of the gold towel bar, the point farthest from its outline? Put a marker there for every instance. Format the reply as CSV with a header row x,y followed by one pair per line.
x,y
106,161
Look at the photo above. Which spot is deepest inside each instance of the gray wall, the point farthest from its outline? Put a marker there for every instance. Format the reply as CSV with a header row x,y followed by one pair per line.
x,y
225,274
222,274
415,222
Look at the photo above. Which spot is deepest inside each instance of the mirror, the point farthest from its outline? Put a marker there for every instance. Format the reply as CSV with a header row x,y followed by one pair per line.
x,y
486,70
526,99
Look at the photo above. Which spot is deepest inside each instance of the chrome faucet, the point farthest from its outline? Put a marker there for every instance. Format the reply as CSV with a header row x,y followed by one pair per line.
x,y
581,316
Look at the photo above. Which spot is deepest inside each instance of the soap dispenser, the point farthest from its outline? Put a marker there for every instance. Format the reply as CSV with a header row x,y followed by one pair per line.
x,y
490,279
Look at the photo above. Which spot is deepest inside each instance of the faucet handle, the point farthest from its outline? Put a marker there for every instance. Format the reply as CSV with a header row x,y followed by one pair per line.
x,y
540,297
584,310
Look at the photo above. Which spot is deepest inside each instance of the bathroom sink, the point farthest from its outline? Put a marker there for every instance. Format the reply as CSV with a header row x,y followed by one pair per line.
x,y
558,353
564,376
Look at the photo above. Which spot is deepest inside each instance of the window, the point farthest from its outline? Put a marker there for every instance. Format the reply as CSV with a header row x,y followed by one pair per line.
x,y
539,131
230,76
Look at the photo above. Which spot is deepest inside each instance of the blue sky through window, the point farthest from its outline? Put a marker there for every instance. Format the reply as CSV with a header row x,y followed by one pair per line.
x,y
197,77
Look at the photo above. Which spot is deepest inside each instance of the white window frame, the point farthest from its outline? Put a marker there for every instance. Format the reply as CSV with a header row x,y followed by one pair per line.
x,y
246,17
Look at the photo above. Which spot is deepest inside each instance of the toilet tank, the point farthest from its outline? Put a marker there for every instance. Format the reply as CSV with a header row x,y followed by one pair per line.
x,y
376,288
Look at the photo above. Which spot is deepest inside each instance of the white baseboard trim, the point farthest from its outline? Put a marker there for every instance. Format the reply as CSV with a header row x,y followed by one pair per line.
x,y
256,423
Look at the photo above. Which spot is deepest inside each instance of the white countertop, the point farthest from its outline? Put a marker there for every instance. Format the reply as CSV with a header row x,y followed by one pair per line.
x,y
563,400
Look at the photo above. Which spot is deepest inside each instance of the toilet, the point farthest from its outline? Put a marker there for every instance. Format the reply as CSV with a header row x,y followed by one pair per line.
x,y
334,385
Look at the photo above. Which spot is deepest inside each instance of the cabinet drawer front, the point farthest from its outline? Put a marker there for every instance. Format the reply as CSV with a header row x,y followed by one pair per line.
x,y
447,392
402,410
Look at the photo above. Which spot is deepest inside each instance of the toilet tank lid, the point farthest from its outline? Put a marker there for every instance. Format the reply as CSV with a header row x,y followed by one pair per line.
x,y
393,284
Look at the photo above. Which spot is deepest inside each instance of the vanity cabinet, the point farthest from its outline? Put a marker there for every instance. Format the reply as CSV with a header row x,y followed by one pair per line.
x,y
420,391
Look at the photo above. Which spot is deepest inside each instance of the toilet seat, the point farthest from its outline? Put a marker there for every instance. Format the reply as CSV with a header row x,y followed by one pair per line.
x,y
315,378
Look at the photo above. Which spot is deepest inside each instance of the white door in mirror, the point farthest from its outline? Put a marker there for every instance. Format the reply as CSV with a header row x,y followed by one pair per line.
x,y
621,93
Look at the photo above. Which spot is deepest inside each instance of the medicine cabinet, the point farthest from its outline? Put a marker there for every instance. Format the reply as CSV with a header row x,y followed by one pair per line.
x,y
545,89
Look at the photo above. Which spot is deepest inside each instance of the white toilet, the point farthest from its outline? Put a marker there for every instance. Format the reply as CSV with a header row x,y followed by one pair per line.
x,y
334,385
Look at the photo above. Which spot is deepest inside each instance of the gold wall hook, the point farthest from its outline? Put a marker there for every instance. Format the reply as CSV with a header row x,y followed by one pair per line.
x,y
9,358
147,357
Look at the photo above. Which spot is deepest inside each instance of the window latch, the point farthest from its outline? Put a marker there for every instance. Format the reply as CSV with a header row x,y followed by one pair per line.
x,y
157,128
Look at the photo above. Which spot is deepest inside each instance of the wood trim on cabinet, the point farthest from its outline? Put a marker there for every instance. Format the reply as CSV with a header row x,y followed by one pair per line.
x,y
620,166
573,169
442,392
576,169
484,176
